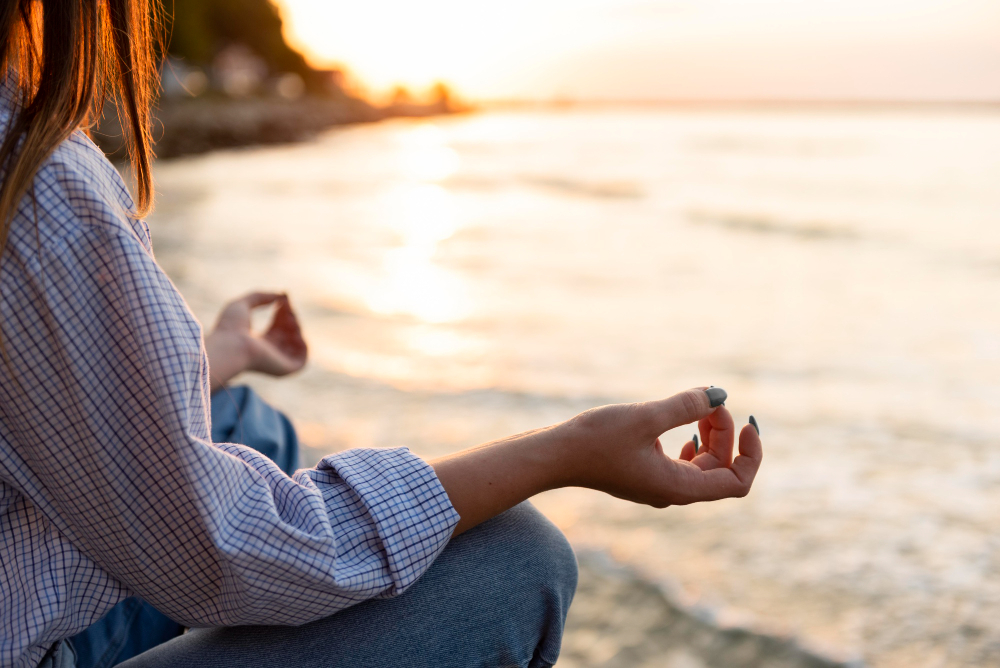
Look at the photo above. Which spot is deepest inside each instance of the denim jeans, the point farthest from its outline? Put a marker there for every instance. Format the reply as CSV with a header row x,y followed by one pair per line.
x,y
496,597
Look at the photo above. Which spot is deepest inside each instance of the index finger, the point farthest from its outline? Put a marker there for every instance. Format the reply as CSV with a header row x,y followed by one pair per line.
x,y
284,318
717,433
255,299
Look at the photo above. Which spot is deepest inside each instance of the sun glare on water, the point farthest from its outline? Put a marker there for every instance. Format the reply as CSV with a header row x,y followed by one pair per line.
x,y
423,214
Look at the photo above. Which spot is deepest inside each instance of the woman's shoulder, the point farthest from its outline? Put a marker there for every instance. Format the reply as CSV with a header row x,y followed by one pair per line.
x,y
79,190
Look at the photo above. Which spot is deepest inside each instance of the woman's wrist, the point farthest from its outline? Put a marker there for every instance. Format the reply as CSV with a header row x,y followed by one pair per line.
x,y
549,454
572,457
228,356
484,481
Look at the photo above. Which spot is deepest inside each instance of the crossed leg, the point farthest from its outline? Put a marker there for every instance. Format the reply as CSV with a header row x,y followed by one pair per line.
x,y
496,597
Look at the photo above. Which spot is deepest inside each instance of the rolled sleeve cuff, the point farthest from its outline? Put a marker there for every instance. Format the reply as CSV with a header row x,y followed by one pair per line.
x,y
413,515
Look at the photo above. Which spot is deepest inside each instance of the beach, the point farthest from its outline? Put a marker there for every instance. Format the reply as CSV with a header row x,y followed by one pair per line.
x,y
620,619
464,278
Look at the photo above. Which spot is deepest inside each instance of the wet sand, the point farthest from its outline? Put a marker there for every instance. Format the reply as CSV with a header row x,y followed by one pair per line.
x,y
621,620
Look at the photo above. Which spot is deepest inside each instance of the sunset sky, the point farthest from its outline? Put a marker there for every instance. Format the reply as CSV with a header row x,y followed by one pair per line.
x,y
661,49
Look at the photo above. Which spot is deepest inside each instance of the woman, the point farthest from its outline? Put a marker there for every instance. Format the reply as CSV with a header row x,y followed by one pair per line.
x,y
116,506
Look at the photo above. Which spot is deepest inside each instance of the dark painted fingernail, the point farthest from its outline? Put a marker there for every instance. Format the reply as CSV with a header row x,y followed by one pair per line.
x,y
695,439
716,396
753,421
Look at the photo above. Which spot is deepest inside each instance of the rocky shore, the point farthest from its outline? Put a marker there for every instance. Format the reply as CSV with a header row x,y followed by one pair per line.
x,y
189,126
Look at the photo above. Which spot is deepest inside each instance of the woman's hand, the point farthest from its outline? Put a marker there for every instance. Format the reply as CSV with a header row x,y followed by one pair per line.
x,y
233,348
614,449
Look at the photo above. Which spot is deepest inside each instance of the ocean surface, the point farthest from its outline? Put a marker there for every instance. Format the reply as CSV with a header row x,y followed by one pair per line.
x,y
836,270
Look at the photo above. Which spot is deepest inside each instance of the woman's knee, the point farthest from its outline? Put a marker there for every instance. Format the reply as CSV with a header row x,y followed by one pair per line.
x,y
525,578
523,536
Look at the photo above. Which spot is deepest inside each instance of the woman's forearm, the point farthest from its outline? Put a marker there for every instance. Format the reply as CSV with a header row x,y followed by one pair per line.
x,y
486,480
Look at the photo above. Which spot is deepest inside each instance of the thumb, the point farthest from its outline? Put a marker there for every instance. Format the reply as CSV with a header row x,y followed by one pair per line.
x,y
685,407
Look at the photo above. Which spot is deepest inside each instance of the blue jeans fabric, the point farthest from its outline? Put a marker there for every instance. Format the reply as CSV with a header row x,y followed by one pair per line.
x,y
129,629
60,655
497,597
239,415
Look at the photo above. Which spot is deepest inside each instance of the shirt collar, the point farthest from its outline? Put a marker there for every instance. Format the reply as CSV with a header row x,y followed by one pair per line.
x,y
9,93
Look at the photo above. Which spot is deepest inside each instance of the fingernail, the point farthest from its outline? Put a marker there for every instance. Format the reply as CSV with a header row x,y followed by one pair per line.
x,y
695,439
716,396
753,421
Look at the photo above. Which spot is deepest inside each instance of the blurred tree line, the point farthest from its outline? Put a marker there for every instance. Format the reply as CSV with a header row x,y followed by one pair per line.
x,y
199,29
235,51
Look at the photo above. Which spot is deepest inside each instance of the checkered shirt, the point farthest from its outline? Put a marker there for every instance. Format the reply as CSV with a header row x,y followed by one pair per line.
x,y
110,485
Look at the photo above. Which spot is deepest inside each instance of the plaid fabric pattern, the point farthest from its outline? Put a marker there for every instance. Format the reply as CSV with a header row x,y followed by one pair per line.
x,y
110,485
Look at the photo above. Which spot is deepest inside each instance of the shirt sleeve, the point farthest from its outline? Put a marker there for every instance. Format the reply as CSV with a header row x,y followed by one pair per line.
x,y
113,431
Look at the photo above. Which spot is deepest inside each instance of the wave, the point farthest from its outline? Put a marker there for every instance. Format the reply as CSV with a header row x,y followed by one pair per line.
x,y
597,189
761,224
335,380
567,186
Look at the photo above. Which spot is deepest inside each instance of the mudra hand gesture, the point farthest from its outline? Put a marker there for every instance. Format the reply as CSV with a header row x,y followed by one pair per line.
x,y
615,449
232,346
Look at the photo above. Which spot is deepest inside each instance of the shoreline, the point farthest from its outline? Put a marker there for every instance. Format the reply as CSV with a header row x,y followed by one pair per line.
x,y
620,619
193,126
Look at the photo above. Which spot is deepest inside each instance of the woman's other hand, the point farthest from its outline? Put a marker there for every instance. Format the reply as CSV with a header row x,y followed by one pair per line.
x,y
232,346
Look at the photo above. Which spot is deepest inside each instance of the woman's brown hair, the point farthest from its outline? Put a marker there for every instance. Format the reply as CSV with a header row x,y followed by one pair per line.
x,y
65,59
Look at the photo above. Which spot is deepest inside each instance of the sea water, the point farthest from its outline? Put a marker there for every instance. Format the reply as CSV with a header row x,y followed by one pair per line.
x,y
836,270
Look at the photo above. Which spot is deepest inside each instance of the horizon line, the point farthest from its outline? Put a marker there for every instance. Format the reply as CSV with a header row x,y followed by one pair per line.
x,y
557,101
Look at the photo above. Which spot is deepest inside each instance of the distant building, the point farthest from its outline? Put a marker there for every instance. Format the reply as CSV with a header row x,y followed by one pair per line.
x,y
289,86
334,81
178,79
237,71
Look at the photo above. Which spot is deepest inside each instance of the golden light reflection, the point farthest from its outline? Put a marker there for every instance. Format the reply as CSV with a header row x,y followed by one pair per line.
x,y
425,156
407,371
436,341
415,285
432,164
423,214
